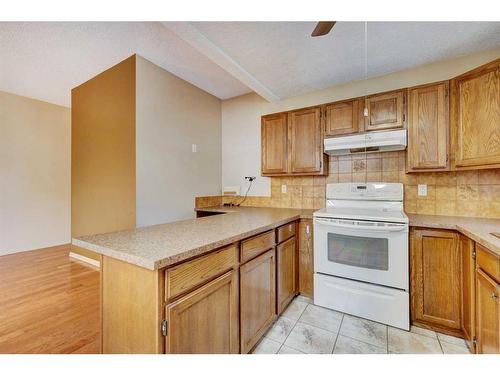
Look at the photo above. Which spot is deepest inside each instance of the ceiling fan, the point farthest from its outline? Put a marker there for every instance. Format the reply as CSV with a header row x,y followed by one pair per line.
x,y
323,28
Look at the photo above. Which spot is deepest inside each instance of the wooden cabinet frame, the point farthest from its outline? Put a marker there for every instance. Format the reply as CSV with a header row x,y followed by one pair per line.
x,y
286,272
459,160
179,340
274,144
435,313
399,96
351,119
468,254
436,118
290,160
487,304
253,326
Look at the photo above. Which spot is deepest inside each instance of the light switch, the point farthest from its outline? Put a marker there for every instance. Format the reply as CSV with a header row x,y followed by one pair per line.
x,y
422,190
283,189
194,147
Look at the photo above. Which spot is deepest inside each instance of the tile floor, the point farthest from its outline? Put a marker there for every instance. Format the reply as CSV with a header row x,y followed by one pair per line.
x,y
306,328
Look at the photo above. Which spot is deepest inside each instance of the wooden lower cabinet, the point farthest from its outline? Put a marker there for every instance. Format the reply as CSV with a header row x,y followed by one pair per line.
x,y
467,249
487,314
257,298
436,280
205,320
286,255
306,261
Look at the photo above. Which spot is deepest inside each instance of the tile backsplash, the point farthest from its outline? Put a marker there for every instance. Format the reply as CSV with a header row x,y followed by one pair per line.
x,y
464,193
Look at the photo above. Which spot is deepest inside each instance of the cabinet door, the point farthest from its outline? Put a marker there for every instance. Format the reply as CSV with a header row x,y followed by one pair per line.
x,y
205,320
428,127
306,141
488,314
385,111
274,144
468,289
342,118
286,255
306,261
475,99
436,279
257,298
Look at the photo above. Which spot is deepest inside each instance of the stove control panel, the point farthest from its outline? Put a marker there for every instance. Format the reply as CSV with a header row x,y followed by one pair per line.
x,y
365,191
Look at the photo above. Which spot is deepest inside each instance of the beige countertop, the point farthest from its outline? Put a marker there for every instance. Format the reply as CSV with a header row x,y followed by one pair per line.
x,y
158,246
477,229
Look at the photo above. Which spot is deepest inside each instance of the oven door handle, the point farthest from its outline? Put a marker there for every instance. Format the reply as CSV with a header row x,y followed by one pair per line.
x,y
393,228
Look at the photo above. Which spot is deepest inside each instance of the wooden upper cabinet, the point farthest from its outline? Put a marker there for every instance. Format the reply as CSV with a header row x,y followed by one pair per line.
x,y
306,141
257,298
428,127
487,313
286,255
274,144
475,100
342,117
386,110
192,328
436,279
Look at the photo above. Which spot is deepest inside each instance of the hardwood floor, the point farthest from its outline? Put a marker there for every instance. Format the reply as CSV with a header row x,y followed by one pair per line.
x,y
48,303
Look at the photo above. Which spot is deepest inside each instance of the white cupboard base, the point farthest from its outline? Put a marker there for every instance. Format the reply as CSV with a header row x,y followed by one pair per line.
x,y
378,303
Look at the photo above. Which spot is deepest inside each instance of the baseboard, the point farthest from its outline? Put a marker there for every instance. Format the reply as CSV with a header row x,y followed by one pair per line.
x,y
85,259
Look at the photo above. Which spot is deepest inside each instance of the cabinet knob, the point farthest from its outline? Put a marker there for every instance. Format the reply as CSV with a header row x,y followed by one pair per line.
x,y
494,296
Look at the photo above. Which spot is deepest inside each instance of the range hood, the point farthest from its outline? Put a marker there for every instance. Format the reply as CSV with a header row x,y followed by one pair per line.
x,y
389,140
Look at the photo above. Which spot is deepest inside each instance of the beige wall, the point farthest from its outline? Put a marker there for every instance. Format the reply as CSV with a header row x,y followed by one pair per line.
x,y
103,152
171,115
35,169
241,115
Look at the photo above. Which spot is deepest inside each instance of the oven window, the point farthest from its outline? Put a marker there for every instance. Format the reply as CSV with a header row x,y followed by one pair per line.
x,y
362,252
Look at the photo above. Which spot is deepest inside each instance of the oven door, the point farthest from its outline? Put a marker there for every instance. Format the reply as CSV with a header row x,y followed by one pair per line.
x,y
374,252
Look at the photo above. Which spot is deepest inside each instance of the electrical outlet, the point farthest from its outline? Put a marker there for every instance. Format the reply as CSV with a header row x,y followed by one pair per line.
x,y
194,147
283,189
422,190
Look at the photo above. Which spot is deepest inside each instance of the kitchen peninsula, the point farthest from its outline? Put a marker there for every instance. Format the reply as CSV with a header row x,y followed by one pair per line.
x,y
193,285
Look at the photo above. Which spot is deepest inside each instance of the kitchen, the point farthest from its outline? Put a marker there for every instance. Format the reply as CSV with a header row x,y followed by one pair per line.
x,y
365,253
361,217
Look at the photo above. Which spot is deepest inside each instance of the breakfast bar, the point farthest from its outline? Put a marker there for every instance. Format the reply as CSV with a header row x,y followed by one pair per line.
x,y
192,285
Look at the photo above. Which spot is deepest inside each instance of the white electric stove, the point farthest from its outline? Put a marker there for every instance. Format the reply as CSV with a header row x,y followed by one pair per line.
x,y
361,252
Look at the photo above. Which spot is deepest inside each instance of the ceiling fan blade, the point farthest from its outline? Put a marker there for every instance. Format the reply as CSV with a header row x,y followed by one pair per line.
x,y
323,28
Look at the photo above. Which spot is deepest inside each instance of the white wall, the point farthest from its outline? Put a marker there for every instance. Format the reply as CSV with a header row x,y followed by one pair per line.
x,y
35,174
241,115
171,116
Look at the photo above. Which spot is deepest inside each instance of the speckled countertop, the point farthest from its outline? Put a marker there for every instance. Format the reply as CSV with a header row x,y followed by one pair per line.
x,y
158,246
477,229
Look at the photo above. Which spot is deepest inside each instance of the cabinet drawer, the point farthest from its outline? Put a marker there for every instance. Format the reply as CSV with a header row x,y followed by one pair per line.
x,y
254,246
188,275
488,262
286,231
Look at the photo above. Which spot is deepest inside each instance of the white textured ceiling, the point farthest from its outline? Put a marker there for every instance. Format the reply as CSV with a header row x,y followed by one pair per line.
x,y
283,56
45,60
276,59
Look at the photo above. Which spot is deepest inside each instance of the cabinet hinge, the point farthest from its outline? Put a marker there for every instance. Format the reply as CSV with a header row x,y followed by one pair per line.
x,y
474,341
164,327
474,254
